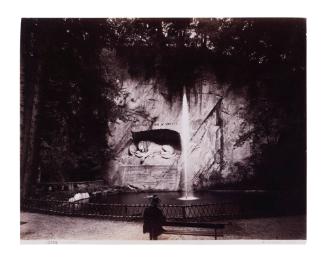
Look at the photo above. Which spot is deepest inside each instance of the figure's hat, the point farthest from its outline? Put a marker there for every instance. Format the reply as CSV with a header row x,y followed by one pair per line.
x,y
155,199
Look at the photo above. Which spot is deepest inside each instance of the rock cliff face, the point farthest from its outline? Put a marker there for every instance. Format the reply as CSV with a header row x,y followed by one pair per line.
x,y
147,142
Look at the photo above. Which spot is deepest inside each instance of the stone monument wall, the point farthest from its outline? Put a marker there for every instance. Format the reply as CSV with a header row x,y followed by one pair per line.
x,y
217,122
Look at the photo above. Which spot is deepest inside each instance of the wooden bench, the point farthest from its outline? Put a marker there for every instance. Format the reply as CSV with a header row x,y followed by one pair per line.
x,y
214,226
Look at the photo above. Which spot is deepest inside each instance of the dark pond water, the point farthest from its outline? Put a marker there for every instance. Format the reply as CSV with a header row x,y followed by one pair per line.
x,y
222,204
228,202
173,197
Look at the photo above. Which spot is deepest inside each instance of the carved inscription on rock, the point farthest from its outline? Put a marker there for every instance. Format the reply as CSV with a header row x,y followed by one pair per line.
x,y
152,177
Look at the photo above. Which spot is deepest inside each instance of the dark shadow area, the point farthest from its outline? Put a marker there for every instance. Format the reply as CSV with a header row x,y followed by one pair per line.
x,y
159,136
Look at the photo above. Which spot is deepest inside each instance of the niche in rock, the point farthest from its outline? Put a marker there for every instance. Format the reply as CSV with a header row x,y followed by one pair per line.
x,y
155,147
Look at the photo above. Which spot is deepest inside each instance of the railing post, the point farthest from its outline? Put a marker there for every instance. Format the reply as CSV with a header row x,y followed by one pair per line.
x,y
184,212
125,211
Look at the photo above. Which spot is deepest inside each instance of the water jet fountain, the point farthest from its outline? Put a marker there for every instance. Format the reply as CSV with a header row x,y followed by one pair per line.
x,y
185,138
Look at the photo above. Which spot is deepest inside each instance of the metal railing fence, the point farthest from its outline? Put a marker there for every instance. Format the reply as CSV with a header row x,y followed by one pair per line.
x,y
85,208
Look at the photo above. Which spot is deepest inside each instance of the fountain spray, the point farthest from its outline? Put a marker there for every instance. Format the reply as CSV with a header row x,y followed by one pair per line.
x,y
185,137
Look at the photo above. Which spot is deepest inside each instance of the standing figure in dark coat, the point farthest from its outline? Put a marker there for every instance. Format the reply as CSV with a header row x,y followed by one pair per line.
x,y
153,219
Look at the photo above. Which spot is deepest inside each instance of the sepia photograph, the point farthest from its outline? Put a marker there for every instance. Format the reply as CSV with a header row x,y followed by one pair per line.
x,y
163,129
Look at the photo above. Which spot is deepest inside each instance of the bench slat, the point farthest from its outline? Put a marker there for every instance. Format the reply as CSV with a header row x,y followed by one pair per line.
x,y
195,233
195,224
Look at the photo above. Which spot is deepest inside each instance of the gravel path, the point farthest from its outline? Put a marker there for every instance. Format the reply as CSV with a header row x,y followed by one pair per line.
x,y
45,227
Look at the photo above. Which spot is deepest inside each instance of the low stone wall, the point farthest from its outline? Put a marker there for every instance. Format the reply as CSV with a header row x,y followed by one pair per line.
x,y
70,186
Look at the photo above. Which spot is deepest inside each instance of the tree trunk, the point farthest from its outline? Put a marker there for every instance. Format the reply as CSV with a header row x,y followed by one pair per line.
x,y
29,116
